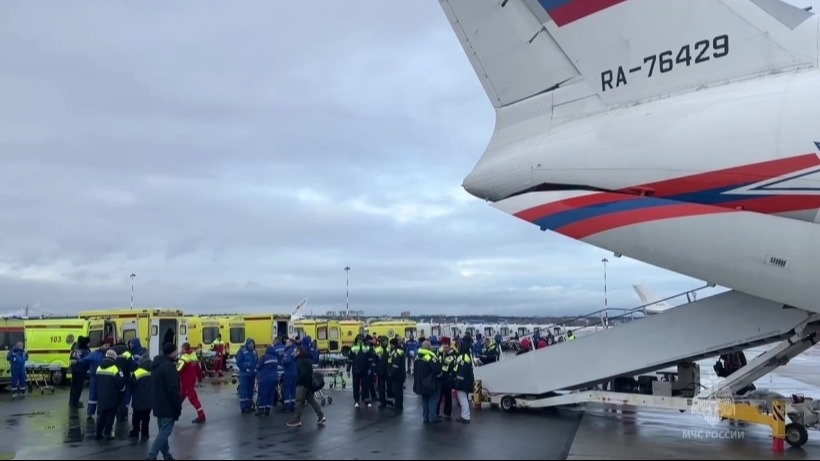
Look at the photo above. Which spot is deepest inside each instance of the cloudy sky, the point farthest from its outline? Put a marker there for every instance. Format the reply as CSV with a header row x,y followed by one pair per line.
x,y
238,159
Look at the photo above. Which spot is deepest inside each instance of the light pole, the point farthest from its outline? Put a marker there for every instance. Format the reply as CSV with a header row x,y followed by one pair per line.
x,y
133,276
347,290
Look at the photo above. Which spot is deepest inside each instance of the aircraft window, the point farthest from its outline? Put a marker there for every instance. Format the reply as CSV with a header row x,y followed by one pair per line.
x,y
95,338
238,335
129,334
334,333
209,334
321,333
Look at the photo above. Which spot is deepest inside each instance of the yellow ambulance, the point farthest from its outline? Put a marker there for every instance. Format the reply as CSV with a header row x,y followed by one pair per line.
x,y
390,328
11,332
349,329
152,326
325,332
263,328
49,341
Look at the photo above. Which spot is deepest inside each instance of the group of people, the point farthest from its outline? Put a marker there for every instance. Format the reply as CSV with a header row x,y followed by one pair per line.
x,y
123,375
526,345
380,366
294,360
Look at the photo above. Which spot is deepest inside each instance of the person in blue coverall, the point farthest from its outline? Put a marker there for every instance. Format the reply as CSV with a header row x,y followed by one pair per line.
x,y
312,348
478,345
268,377
246,360
92,361
137,351
17,358
290,372
411,349
279,347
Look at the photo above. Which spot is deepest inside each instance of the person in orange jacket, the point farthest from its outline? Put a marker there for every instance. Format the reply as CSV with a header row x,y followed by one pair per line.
x,y
189,373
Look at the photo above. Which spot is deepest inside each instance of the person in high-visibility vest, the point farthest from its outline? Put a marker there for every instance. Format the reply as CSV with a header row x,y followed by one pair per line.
x,y
219,347
111,385
189,372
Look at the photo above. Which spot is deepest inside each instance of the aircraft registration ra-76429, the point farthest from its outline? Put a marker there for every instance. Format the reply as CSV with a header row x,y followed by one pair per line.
x,y
683,134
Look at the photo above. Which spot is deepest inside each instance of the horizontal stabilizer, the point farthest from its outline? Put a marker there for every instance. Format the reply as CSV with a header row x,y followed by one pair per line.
x,y
626,51
690,332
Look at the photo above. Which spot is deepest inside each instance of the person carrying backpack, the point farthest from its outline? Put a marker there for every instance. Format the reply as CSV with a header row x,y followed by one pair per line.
x,y
305,387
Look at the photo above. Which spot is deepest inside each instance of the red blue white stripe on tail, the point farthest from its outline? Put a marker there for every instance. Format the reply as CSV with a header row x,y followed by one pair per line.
x,y
579,214
564,12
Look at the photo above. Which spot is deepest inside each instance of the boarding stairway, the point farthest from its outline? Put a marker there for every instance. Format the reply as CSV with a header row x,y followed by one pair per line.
x,y
695,331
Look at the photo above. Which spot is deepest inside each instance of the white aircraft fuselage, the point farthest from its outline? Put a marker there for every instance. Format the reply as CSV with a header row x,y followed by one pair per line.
x,y
709,169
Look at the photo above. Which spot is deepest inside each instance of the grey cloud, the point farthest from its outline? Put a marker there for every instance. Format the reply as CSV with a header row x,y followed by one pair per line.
x,y
239,158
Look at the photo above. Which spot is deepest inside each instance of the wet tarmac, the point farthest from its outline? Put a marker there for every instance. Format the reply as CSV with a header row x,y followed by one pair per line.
x,y
43,427
666,434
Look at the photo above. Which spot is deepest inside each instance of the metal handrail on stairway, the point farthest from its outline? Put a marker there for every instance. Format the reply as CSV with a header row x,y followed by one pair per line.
x,y
597,315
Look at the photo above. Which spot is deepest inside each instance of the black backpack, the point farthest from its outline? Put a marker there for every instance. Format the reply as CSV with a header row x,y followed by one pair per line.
x,y
318,382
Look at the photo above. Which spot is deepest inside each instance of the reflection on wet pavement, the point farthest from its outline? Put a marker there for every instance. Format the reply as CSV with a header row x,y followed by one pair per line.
x,y
43,427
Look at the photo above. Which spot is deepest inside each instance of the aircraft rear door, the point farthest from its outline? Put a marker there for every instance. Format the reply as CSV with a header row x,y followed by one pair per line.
x,y
154,345
334,346
130,331
182,333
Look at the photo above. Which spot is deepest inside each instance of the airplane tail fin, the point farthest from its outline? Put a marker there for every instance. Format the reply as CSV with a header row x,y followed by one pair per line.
x,y
614,52
651,299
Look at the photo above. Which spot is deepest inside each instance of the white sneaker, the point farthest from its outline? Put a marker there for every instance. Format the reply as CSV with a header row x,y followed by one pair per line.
x,y
369,405
356,405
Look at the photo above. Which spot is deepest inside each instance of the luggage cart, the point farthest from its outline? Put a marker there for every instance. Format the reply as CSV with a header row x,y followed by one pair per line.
x,y
39,374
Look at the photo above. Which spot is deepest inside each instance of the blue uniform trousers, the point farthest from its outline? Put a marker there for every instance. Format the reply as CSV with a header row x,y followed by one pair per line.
x,y
289,393
246,385
267,390
18,380
92,397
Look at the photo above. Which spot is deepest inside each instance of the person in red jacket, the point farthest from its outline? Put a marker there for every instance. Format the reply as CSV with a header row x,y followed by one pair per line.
x,y
221,354
189,373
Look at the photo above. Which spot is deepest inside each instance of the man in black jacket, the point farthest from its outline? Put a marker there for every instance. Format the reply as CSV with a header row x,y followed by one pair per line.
x,y
166,402
125,362
304,389
79,371
141,398
397,372
110,387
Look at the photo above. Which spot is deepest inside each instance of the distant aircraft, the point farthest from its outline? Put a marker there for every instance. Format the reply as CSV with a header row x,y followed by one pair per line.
x,y
648,296
294,314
